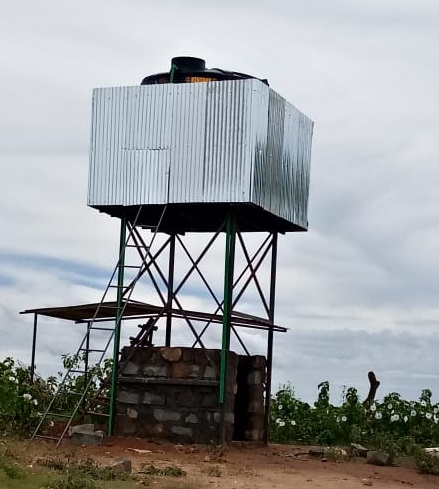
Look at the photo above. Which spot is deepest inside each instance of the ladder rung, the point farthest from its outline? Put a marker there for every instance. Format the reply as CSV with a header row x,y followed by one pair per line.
x,y
57,415
103,398
100,328
46,437
78,371
132,266
98,414
92,350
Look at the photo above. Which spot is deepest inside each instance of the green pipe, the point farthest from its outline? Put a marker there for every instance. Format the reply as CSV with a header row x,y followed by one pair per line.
x,y
117,326
228,286
174,68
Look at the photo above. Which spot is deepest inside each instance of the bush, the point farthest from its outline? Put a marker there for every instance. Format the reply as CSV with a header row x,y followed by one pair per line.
x,y
427,463
11,470
394,425
20,401
71,481
23,403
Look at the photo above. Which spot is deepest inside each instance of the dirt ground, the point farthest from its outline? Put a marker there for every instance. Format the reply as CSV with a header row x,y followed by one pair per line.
x,y
243,466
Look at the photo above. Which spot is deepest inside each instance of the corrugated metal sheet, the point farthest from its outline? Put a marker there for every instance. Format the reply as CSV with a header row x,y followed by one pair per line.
x,y
232,141
281,179
228,141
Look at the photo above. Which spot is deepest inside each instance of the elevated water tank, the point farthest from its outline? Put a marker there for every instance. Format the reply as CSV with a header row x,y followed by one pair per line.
x,y
198,148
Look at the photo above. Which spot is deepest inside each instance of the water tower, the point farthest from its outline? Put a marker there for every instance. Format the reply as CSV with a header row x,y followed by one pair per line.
x,y
195,163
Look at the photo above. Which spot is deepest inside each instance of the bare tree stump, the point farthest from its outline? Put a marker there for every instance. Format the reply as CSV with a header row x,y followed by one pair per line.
x,y
374,384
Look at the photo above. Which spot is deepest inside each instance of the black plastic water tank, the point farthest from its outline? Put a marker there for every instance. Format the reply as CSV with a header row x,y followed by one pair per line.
x,y
187,64
187,69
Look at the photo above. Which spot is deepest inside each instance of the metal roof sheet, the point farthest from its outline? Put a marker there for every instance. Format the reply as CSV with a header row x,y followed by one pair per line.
x,y
83,313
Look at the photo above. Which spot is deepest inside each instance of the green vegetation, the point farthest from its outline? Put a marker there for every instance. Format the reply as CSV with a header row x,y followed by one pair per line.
x,y
82,474
67,472
51,473
427,463
23,403
11,470
181,485
170,471
19,400
393,425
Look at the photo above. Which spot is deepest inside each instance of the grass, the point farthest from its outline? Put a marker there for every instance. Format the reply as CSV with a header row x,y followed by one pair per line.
x,y
45,479
54,470
180,485
42,478
16,471
170,471
28,481
11,470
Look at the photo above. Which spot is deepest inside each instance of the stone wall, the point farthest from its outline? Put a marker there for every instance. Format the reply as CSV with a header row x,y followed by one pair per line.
x,y
249,400
172,393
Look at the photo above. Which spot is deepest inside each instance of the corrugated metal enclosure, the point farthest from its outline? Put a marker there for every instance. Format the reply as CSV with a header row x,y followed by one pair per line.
x,y
222,142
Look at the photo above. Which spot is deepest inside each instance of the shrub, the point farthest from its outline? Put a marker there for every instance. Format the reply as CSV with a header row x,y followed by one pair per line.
x,y
20,401
394,425
23,403
427,463
71,481
11,470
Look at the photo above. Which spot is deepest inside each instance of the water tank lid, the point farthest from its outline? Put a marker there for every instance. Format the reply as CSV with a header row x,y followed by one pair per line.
x,y
188,64
188,69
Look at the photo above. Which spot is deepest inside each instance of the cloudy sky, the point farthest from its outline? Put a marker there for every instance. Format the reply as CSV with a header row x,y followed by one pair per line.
x,y
360,289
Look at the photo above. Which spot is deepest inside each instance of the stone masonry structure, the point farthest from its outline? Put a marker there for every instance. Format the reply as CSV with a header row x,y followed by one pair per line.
x,y
172,393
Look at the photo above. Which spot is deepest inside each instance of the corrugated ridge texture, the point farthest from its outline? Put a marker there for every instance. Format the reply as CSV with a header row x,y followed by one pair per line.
x,y
228,142
232,141
281,177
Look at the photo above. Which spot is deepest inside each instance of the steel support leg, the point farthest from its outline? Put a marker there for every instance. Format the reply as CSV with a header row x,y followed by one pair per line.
x,y
86,363
117,326
170,290
270,337
228,300
34,345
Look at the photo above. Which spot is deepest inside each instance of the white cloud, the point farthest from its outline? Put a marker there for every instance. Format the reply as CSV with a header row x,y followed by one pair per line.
x,y
361,286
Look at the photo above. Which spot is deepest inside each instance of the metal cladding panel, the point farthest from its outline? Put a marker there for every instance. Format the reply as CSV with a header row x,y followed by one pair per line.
x,y
146,150
281,177
233,141
187,128
230,139
182,143
296,158
106,142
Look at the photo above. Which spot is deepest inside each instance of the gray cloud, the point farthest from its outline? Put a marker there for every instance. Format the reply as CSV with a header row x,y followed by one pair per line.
x,y
360,289
402,360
